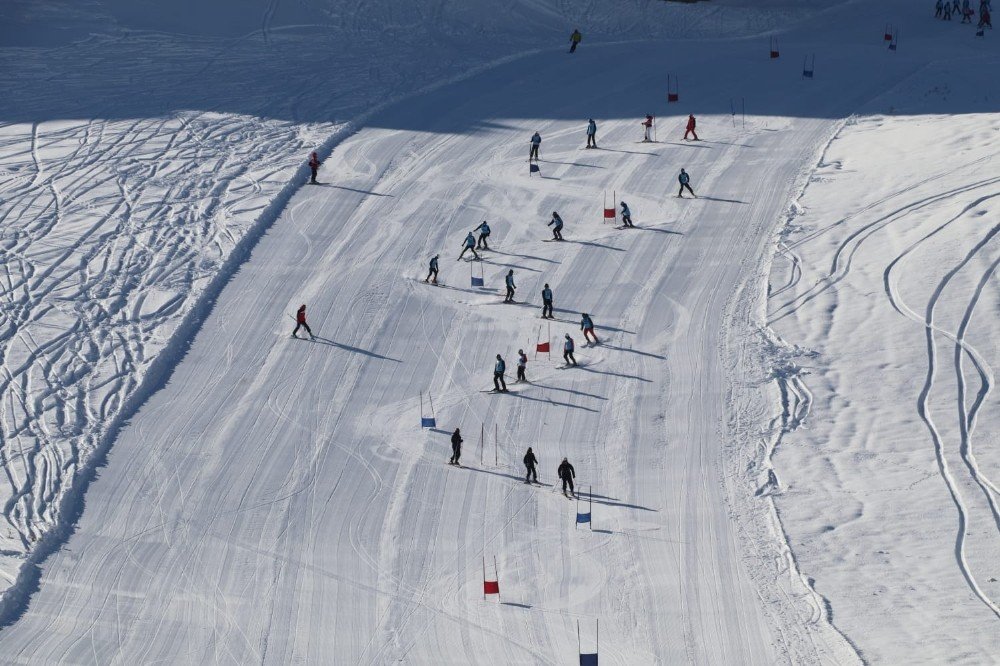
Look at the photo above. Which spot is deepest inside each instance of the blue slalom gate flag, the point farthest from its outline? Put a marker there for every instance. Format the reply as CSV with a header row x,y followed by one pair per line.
x,y
533,168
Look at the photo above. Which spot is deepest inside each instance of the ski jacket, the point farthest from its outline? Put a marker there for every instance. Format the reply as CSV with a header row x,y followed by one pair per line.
x,y
434,263
586,323
470,240
546,294
456,439
536,138
485,228
684,178
522,361
556,220
568,345
529,458
576,36
501,367
691,123
648,122
625,210
510,281
314,161
300,315
591,128
566,471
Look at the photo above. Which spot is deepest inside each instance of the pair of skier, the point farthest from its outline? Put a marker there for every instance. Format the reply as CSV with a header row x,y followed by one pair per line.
x,y
565,472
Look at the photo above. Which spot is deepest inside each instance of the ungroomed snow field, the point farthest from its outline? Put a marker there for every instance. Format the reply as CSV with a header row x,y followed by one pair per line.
x,y
772,453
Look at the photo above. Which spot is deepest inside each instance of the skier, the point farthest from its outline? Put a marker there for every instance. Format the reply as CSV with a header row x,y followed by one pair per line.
x,y
966,12
522,365
568,347
536,141
574,40
557,229
567,474
947,11
456,447
591,134
529,462
470,244
509,281
300,322
433,272
956,9
587,326
498,370
314,167
690,128
685,180
626,215
547,302
984,18
647,125
484,233
939,7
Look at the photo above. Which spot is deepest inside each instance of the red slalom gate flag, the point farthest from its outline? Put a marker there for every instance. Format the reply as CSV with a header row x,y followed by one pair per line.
x,y
491,587
542,348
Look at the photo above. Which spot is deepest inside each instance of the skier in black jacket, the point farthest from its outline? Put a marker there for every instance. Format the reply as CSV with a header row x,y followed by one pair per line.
x,y
456,447
567,474
529,462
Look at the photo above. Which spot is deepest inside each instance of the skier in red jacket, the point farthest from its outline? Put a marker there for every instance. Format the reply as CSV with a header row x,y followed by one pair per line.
x,y
647,124
314,166
300,322
690,128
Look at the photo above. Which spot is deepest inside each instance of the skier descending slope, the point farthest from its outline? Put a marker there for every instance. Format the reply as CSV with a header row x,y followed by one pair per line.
x,y
499,369
456,447
587,326
314,167
626,215
685,180
509,281
484,233
470,244
433,272
529,463
300,322
567,474
690,128
568,348
591,134
522,365
557,229
574,40
536,141
547,302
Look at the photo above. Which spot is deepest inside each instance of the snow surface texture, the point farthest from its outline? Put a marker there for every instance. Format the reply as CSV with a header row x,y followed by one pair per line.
x,y
275,501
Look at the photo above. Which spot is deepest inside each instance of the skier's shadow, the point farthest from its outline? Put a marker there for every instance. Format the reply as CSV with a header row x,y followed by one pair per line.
x,y
735,201
549,401
526,256
593,244
576,164
634,351
517,266
566,390
352,189
356,350
483,470
630,152
658,230
612,501
615,374
688,145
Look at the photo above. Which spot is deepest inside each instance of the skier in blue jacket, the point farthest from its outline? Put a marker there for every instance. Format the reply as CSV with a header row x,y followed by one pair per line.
x,y
587,326
509,281
685,180
557,229
536,141
626,215
470,244
433,272
484,233
547,303
498,370
568,348
591,134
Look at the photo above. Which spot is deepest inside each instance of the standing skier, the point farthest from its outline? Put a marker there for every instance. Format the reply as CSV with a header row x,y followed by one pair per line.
x,y
484,233
567,474
984,18
456,447
568,348
547,302
470,244
509,281
522,364
939,7
947,11
647,125
591,134
574,39
557,229
685,180
690,128
587,326
626,215
529,463
500,386
300,322
433,272
314,167
536,141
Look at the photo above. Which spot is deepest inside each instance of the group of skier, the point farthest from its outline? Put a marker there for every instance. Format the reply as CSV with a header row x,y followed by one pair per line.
x,y
945,9
565,472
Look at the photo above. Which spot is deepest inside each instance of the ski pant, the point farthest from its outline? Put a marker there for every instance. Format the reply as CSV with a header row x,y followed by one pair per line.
x,y
587,332
568,480
533,155
498,381
467,247
510,295
645,134
456,453
568,357
315,170
680,193
520,374
591,141
304,325
937,14
531,474
432,273
546,309
692,132
482,242
557,233
572,48
627,220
